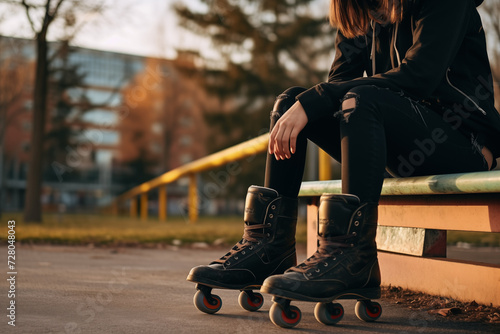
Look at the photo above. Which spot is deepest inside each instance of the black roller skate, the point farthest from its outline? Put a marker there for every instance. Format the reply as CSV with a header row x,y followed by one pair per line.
x,y
266,248
345,266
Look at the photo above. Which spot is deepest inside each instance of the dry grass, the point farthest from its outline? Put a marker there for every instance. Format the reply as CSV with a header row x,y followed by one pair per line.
x,y
474,238
80,229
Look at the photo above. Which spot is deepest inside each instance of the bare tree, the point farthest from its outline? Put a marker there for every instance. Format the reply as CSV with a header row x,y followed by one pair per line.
x,y
41,15
33,207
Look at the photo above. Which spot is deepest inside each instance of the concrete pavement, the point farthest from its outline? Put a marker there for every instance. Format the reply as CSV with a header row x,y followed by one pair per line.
x,y
62,289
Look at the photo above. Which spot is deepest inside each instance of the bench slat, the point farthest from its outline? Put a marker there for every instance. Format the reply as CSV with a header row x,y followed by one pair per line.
x,y
459,280
468,212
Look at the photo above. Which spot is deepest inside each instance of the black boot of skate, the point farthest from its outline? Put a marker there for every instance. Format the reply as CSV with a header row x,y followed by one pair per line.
x,y
266,248
345,264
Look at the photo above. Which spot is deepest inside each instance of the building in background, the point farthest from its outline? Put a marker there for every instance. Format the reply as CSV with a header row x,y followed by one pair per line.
x,y
114,120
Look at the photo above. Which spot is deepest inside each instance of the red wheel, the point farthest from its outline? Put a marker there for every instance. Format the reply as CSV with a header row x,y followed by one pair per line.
x,y
201,303
329,313
248,304
279,317
368,311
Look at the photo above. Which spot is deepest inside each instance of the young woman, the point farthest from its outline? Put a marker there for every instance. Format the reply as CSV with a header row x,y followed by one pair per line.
x,y
410,90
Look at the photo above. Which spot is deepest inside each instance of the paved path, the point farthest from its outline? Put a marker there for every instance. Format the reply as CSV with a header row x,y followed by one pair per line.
x,y
127,290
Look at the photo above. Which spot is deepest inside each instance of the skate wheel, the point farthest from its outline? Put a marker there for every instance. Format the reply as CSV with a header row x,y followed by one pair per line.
x,y
328,313
201,302
248,304
279,317
368,311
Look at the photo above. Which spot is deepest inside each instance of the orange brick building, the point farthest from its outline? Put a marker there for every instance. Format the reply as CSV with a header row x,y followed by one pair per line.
x,y
139,114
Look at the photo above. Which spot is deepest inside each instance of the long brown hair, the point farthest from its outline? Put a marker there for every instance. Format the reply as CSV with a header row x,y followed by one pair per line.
x,y
353,17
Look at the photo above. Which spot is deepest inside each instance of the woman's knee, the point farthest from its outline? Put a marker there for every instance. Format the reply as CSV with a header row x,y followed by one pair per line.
x,y
357,97
285,100
359,94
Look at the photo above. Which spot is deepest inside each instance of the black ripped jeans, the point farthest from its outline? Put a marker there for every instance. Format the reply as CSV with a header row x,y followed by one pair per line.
x,y
384,130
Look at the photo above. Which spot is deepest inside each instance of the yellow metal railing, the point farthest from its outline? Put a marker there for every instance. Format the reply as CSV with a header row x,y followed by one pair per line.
x,y
325,166
246,149
243,150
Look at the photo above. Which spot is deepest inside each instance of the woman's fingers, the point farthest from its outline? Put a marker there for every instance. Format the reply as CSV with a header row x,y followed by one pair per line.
x,y
279,141
285,142
278,144
272,139
283,137
293,140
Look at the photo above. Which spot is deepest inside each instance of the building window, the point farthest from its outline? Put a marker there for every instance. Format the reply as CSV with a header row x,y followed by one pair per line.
x,y
100,137
185,140
110,138
100,117
110,99
103,157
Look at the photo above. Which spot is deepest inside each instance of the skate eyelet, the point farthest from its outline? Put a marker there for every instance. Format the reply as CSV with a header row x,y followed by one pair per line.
x,y
236,258
273,207
352,245
309,274
325,264
334,259
268,224
268,235
354,234
228,263
317,270
243,253
359,213
271,215
250,248
356,223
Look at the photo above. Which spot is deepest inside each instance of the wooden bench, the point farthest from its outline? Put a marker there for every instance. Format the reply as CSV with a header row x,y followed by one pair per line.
x,y
414,215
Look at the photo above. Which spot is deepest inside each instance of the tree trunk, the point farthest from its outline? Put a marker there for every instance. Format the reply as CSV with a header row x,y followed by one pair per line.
x,y
33,205
2,171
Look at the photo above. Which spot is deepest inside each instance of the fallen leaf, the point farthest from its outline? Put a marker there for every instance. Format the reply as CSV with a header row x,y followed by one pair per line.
x,y
446,311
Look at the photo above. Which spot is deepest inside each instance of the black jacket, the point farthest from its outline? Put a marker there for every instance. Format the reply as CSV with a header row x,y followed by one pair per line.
x,y
443,61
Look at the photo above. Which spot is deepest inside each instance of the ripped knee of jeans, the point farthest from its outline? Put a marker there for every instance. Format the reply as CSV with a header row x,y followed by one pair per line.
x,y
349,103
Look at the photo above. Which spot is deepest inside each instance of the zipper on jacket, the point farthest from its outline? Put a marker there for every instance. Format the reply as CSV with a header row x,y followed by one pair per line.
x,y
465,95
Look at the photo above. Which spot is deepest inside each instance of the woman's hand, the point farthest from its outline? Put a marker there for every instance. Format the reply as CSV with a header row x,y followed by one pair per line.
x,y
283,137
